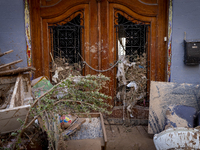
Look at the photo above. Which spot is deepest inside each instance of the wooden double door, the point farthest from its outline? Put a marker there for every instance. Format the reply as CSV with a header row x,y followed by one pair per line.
x,y
98,47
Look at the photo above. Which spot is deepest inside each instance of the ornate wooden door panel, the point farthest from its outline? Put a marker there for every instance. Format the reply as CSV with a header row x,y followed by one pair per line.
x,y
99,37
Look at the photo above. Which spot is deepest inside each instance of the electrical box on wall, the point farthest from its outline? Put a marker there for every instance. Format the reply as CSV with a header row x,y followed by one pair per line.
x,y
192,52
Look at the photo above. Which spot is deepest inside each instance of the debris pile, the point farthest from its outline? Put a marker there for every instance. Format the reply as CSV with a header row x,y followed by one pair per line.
x,y
6,70
8,77
74,94
61,69
5,97
15,97
34,138
132,80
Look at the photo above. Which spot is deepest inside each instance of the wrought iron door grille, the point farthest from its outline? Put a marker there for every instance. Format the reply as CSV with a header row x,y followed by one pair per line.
x,y
66,38
135,34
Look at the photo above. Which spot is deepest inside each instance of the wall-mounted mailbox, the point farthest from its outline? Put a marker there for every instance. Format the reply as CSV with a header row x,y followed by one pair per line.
x,y
192,52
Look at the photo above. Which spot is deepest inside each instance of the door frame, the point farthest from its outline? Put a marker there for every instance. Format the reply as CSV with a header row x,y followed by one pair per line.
x,y
99,33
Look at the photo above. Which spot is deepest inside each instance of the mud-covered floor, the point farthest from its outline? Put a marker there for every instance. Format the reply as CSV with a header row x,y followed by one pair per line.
x,y
119,137
128,138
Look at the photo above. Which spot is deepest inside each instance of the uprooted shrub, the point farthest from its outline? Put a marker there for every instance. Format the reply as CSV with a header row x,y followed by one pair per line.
x,y
74,95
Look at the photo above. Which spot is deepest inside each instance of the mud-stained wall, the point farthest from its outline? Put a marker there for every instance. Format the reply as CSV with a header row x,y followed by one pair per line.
x,y
12,31
185,19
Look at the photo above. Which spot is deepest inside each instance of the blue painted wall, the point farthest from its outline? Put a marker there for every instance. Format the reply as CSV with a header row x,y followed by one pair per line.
x,y
12,31
186,18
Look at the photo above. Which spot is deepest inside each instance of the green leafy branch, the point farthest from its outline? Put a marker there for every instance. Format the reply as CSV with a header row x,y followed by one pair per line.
x,y
74,95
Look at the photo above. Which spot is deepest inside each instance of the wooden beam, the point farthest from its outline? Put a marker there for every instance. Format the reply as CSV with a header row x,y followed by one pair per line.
x,y
7,52
12,101
15,71
12,63
22,96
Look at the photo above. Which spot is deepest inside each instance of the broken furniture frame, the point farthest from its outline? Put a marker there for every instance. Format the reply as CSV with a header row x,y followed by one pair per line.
x,y
53,127
19,102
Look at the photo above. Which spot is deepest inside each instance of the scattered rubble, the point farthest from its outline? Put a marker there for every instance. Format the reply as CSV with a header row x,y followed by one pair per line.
x,y
132,84
15,97
61,69
132,79
77,94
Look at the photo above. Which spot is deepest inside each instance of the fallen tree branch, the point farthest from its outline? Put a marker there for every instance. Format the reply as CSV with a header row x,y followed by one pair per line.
x,y
79,97
32,121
